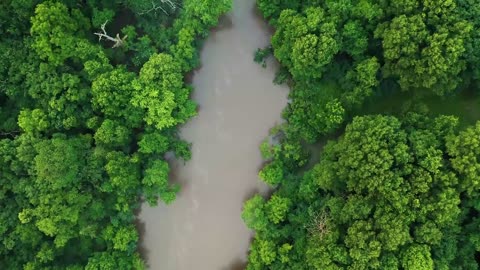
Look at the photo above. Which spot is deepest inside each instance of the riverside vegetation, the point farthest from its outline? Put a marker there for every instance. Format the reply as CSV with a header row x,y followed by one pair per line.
x,y
91,95
394,86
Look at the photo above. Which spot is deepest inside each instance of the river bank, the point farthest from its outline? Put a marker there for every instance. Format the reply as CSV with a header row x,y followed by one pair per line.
x,y
238,104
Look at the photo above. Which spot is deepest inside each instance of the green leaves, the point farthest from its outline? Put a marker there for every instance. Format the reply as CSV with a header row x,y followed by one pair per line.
x,y
421,58
390,193
267,252
83,131
364,81
57,161
272,173
303,56
206,11
114,260
338,55
465,152
364,249
277,208
57,195
33,121
113,134
155,183
53,29
153,143
305,45
125,239
158,91
417,257
253,213
384,195
355,38
112,93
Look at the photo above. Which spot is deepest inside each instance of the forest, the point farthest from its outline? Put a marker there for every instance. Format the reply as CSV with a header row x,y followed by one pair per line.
x,y
91,95
377,165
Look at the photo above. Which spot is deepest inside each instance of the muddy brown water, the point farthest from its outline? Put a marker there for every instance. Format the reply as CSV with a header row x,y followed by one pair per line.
x,y
202,229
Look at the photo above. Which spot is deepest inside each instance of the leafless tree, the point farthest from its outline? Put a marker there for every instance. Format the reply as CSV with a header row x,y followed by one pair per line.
x,y
11,134
158,6
319,224
118,42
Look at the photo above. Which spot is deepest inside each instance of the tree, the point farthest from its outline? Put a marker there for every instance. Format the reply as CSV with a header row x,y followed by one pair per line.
x,y
417,257
112,134
465,150
277,208
363,80
254,215
33,121
155,183
112,93
158,90
314,111
205,11
272,173
53,29
434,66
387,194
82,134
154,143
306,44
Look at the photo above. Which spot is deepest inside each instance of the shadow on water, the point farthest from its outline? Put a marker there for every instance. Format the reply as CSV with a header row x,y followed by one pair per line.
x,y
260,21
174,173
250,194
141,235
237,264
224,23
263,164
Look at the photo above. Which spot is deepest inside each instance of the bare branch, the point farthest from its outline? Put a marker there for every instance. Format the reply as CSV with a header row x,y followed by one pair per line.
x,y
10,134
118,42
172,4
156,7
319,225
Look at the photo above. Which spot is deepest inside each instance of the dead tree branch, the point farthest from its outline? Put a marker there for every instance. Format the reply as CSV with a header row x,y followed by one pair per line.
x,y
118,42
11,134
172,4
156,7
319,225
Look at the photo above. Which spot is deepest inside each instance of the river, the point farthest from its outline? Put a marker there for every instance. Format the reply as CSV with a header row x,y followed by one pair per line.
x,y
238,104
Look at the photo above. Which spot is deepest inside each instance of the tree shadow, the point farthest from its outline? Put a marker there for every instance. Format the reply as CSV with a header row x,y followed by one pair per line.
x,y
261,22
263,164
249,194
225,22
174,176
237,264
141,229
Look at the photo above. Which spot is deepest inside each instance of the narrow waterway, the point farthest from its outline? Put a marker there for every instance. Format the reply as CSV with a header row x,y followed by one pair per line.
x,y
238,102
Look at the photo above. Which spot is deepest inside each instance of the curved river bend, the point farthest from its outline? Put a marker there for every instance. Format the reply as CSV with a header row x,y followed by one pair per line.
x,y
202,229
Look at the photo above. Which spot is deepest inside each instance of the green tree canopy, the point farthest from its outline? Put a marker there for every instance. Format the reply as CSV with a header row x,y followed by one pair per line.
x,y
84,127
388,194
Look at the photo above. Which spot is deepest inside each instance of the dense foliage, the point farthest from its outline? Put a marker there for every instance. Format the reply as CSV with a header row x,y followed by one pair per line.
x,y
388,192
84,127
340,53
